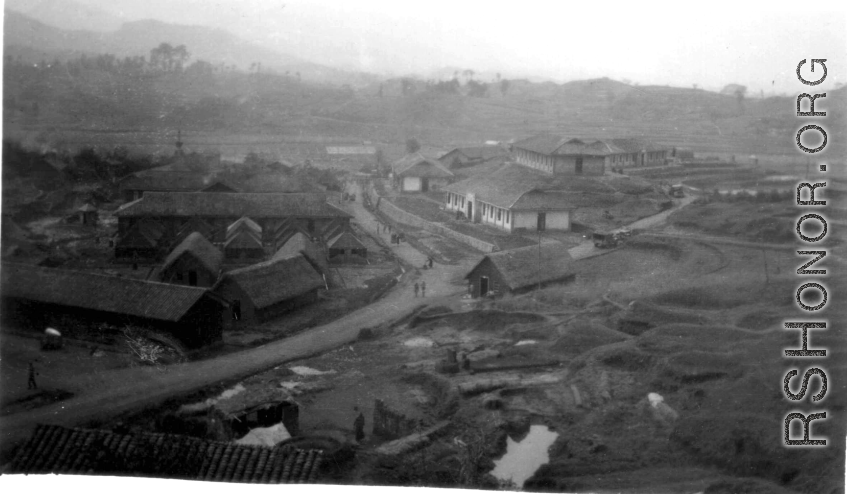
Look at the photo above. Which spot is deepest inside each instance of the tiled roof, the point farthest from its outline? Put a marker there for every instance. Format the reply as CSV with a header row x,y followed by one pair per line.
x,y
60,450
506,187
100,292
274,281
549,144
217,204
417,165
196,245
531,265
478,152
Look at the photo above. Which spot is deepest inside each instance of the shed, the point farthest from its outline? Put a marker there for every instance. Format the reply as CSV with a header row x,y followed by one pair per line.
x,y
301,244
243,247
345,247
265,290
417,173
40,297
142,241
262,406
65,451
87,214
520,270
194,262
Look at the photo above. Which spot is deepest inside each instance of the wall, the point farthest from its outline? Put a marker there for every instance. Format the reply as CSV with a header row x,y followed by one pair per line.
x,y
591,165
401,216
411,184
495,280
183,265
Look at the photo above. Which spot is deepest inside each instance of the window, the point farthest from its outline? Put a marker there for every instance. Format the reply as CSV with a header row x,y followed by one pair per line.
x,y
499,214
179,276
463,202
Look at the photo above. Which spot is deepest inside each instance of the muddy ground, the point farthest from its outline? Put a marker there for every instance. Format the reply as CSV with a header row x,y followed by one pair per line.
x,y
696,323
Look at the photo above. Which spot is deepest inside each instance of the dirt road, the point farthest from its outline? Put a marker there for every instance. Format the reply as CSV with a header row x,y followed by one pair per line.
x,y
133,389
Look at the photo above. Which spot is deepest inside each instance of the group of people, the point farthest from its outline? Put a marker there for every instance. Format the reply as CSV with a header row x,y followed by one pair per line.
x,y
420,288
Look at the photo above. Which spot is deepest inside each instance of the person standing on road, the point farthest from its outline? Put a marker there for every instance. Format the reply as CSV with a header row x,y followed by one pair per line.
x,y
423,289
31,381
359,425
429,259
417,287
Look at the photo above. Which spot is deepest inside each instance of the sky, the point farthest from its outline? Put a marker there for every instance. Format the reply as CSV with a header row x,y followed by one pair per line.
x,y
675,43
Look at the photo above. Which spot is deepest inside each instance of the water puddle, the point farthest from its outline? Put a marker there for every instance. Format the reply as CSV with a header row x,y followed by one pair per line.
x,y
523,458
265,436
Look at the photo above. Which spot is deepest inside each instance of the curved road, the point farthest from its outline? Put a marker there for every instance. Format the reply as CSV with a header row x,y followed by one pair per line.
x,y
127,390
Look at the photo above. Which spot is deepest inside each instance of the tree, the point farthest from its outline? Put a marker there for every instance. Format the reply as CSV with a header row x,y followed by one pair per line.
x,y
412,145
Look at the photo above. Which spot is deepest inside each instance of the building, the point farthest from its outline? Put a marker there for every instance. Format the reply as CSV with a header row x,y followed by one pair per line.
x,y
144,240
36,297
345,248
64,451
300,244
135,186
87,215
194,262
520,270
512,199
265,290
556,155
416,173
243,246
470,156
310,211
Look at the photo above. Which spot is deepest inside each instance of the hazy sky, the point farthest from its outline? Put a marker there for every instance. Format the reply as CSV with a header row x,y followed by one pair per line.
x,y
709,43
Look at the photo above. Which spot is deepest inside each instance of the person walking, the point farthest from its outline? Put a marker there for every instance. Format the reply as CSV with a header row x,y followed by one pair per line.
x,y
359,425
423,289
429,259
31,381
417,287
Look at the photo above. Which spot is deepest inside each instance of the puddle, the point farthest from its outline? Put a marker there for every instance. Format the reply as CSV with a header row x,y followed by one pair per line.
x,y
265,436
302,370
526,342
229,393
419,342
523,458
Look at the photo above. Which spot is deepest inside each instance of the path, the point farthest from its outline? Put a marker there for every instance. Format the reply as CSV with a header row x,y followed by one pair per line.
x,y
132,389
586,249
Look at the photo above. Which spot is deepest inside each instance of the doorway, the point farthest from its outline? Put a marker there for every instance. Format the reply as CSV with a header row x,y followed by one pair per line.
x,y
470,212
578,166
192,278
542,222
483,286
424,184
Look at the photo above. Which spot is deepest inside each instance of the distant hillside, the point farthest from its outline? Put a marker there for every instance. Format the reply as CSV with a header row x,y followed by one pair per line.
x,y
24,36
66,14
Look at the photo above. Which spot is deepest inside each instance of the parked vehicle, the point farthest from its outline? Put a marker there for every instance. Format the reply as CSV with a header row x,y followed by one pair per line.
x,y
607,239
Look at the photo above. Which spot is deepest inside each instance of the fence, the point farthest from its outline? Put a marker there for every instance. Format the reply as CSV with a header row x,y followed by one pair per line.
x,y
390,424
405,217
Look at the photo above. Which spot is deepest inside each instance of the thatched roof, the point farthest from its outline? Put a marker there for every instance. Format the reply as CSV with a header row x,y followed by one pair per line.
x,y
417,165
59,450
93,291
243,223
481,153
528,266
277,280
223,204
196,246
345,240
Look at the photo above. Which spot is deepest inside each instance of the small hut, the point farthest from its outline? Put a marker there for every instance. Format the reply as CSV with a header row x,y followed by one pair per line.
x,y
87,215
346,248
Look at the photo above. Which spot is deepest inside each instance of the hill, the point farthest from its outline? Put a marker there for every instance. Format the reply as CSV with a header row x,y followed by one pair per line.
x,y
28,37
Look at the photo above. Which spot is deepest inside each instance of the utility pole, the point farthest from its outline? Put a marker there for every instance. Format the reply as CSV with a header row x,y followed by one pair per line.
x,y
539,265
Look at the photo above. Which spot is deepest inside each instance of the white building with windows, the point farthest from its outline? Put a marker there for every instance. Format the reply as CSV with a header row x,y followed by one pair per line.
x,y
556,155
